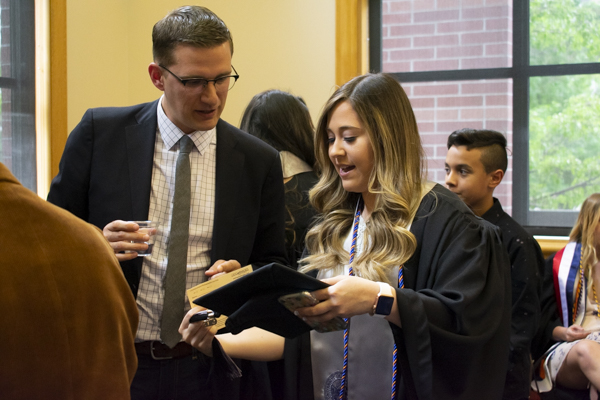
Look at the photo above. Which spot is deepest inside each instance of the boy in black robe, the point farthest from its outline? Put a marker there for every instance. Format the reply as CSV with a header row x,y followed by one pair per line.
x,y
475,165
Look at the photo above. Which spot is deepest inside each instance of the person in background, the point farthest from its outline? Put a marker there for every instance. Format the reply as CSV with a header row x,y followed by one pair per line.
x,y
283,121
120,165
423,282
570,327
68,317
475,165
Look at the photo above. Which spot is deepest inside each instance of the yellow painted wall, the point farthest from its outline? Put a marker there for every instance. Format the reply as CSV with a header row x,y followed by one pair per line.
x,y
280,44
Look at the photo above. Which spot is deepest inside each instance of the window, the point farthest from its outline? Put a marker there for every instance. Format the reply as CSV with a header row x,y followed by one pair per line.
x,y
529,69
17,89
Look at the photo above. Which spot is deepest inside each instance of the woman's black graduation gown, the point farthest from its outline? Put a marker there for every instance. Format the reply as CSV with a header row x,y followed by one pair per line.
x,y
455,310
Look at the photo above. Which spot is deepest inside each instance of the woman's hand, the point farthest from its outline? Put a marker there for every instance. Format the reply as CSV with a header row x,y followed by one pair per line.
x,y
348,296
570,334
197,334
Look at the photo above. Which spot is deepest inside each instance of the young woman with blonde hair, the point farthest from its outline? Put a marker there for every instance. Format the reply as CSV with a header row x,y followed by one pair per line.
x,y
570,309
394,246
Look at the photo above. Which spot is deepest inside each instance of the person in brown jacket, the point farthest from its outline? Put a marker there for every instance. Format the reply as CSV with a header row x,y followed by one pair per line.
x,y
68,318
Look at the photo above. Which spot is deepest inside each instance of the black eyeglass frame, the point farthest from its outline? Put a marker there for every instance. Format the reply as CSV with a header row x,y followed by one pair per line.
x,y
235,77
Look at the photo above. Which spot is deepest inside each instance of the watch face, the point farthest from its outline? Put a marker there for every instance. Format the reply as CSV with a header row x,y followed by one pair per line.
x,y
384,305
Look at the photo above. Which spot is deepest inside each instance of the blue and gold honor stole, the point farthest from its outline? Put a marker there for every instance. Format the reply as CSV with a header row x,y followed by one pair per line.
x,y
569,283
343,393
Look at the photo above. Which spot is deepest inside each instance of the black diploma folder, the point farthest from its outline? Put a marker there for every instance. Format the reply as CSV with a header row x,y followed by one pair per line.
x,y
252,300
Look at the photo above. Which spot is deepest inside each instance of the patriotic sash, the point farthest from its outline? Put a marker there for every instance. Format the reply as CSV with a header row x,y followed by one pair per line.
x,y
570,292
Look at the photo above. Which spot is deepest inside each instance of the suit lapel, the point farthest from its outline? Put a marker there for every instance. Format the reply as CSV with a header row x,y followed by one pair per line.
x,y
140,154
230,163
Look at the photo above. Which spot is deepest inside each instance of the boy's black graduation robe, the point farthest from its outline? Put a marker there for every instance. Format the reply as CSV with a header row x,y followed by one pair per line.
x,y
455,310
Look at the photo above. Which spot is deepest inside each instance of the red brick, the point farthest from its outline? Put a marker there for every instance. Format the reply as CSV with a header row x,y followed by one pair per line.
x,y
498,100
412,30
460,51
460,26
500,49
500,126
494,24
395,43
422,103
437,164
501,2
426,127
429,151
431,175
484,37
409,55
441,152
438,40
472,3
468,114
460,101
436,89
440,65
424,115
396,67
487,62
444,114
498,113
437,139
449,4
486,12
486,86
424,5
435,16
385,7
394,19
452,126
397,6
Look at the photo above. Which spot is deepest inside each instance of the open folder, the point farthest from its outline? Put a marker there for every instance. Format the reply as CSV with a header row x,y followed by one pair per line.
x,y
252,300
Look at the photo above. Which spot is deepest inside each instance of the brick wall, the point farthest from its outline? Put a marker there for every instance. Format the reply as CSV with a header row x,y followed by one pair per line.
x,y
434,35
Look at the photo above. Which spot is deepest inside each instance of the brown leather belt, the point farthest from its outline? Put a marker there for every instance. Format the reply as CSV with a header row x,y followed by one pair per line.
x,y
160,351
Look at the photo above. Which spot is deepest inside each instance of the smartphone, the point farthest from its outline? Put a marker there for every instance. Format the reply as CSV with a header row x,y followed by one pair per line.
x,y
304,299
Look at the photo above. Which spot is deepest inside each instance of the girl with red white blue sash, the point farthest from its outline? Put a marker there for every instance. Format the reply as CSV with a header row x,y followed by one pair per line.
x,y
574,360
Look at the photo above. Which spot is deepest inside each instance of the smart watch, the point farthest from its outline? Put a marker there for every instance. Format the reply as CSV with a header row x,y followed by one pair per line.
x,y
385,301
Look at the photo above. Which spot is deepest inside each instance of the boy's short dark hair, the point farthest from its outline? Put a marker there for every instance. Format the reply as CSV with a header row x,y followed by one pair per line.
x,y
491,143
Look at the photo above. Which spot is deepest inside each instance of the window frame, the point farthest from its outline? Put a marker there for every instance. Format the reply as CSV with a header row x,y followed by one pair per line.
x,y
22,91
520,73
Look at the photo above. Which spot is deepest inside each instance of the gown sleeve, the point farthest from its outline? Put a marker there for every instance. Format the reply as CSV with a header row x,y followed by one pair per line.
x,y
455,308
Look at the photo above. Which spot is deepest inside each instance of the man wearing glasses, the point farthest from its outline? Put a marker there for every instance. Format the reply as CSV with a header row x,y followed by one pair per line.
x,y
123,164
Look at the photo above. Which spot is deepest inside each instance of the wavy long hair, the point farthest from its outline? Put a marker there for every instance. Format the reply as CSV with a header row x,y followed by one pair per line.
x,y
583,231
399,170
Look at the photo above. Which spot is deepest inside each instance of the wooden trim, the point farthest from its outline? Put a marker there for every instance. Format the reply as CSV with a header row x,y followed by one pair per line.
x,y
42,95
58,81
551,244
351,50
51,89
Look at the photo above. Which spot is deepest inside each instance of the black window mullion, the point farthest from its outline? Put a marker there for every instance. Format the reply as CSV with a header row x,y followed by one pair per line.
x,y
520,145
375,36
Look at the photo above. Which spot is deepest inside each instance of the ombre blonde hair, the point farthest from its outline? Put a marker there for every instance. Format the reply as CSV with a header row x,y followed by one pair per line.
x,y
387,116
583,231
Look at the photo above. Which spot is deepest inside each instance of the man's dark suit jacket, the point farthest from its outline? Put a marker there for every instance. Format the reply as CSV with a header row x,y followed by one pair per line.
x,y
106,171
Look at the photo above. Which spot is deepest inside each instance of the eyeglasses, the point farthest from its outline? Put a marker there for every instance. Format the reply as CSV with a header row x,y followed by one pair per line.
x,y
222,84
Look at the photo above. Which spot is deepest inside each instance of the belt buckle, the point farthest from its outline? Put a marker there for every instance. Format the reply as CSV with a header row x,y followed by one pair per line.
x,y
152,352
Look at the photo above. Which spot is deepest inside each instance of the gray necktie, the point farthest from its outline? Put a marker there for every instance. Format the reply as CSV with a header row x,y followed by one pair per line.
x,y
177,249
